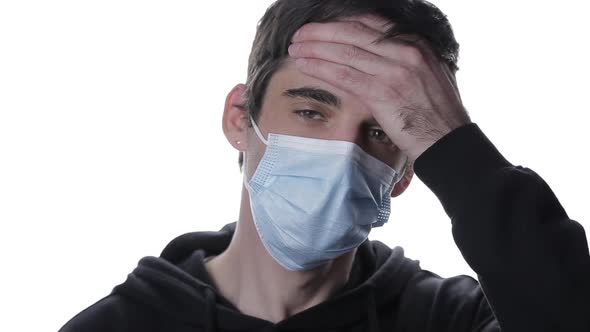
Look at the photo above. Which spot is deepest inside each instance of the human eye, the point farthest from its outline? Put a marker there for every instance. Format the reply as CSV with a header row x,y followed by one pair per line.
x,y
379,135
310,115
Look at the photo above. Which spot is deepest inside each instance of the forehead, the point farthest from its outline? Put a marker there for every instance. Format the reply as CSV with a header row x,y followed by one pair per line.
x,y
289,77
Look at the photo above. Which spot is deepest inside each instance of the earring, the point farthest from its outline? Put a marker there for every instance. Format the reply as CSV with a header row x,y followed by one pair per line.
x,y
238,142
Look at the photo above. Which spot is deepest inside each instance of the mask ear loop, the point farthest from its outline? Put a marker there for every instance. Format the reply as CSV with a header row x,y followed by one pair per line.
x,y
400,174
257,131
404,169
261,137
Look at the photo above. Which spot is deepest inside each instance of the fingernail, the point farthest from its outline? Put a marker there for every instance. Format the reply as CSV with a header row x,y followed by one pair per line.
x,y
293,48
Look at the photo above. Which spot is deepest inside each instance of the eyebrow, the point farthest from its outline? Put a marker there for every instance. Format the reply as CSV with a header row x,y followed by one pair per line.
x,y
315,94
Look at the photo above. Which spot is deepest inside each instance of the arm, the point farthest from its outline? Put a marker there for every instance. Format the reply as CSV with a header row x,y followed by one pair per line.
x,y
531,259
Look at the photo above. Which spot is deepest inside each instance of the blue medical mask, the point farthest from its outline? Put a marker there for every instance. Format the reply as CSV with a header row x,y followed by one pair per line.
x,y
313,200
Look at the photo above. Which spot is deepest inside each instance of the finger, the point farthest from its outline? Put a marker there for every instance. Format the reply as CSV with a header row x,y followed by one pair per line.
x,y
383,25
365,86
344,54
358,34
380,97
341,76
374,22
349,32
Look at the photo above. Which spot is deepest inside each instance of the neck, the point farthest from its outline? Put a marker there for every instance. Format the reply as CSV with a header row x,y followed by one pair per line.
x,y
258,286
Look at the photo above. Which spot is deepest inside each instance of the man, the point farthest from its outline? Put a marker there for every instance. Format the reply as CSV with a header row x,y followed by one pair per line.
x,y
344,101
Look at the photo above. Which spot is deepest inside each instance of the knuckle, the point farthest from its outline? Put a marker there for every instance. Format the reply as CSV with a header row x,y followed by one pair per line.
x,y
351,53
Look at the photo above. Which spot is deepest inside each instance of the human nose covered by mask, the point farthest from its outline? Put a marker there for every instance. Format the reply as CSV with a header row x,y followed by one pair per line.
x,y
313,200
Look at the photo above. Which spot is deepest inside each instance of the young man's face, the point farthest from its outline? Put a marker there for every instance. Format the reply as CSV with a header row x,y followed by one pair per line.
x,y
300,105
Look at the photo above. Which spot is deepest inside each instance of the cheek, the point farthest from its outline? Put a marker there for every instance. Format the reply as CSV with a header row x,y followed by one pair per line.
x,y
393,157
251,162
253,154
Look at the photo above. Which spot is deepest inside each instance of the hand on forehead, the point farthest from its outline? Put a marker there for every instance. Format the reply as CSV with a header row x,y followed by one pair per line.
x,y
399,78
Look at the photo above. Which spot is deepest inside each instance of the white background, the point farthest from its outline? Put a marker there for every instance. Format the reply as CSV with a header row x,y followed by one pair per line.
x,y
111,141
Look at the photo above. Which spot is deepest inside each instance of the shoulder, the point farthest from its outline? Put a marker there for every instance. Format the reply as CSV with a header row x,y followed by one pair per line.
x,y
108,314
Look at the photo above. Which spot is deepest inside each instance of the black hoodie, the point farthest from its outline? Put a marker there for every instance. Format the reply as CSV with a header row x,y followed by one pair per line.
x,y
532,263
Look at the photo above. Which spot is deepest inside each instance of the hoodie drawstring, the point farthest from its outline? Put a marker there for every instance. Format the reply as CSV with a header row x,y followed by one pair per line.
x,y
210,325
373,325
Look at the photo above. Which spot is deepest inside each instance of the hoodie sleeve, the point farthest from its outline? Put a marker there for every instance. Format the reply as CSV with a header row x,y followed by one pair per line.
x,y
531,259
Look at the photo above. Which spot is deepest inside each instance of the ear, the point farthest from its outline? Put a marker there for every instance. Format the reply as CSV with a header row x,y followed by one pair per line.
x,y
235,118
404,182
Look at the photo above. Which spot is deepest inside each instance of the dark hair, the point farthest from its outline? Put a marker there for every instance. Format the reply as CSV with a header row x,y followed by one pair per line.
x,y
284,17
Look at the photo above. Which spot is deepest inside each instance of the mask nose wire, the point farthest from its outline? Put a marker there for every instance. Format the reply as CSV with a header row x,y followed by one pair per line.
x,y
257,131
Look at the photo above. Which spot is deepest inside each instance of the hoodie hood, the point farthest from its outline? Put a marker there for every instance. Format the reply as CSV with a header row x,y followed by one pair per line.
x,y
177,285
